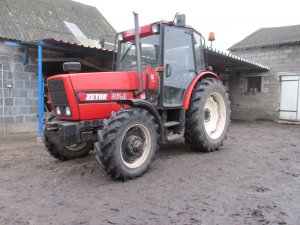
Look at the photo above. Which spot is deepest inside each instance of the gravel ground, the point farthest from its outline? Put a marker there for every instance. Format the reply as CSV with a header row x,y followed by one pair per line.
x,y
254,179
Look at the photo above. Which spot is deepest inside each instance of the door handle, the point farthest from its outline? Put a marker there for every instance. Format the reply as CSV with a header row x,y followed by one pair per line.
x,y
168,70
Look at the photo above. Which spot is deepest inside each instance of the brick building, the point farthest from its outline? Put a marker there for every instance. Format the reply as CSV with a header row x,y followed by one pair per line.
x,y
65,31
274,94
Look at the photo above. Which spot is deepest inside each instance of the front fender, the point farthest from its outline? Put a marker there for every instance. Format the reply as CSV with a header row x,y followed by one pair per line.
x,y
139,103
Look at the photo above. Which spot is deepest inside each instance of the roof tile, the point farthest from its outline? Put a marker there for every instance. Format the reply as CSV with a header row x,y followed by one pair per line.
x,y
270,37
32,20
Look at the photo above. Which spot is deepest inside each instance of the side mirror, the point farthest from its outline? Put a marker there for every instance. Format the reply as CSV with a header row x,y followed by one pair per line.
x,y
168,70
72,67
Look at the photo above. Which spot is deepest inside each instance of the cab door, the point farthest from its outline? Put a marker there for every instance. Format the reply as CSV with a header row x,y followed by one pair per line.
x,y
179,63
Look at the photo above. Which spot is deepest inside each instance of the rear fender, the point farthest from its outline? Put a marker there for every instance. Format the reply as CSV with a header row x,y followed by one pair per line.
x,y
187,97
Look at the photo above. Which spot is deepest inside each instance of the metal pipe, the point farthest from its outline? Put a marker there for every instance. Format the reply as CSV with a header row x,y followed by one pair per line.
x,y
3,100
298,107
113,61
40,88
138,53
25,56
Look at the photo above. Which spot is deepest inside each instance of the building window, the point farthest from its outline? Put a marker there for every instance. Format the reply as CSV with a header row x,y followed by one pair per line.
x,y
253,84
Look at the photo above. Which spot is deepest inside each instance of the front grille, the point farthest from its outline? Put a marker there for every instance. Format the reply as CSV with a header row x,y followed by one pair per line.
x,y
58,96
57,92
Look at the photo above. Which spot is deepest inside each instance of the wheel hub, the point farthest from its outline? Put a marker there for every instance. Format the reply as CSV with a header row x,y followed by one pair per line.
x,y
207,114
135,146
214,115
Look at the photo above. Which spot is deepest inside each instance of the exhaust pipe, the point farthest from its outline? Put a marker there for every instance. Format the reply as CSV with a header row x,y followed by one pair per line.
x,y
138,53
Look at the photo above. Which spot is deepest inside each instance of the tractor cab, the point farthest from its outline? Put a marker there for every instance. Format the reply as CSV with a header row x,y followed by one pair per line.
x,y
176,52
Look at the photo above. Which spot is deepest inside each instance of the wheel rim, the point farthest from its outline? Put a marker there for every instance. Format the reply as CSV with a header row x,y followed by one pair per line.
x,y
215,115
76,147
135,146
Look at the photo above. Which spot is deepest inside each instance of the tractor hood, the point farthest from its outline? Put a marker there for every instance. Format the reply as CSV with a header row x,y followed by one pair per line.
x,y
88,96
124,80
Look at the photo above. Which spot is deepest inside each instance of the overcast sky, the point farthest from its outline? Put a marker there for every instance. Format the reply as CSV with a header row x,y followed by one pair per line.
x,y
231,20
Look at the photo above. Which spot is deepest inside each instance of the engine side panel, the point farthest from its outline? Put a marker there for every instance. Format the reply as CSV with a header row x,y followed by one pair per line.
x,y
97,111
100,104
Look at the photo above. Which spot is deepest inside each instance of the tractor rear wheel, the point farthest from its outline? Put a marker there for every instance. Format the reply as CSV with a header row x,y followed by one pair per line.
x,y
128,144
208,116
64,152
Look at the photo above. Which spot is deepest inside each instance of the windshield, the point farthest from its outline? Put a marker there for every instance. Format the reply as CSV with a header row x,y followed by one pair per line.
x,y
149,49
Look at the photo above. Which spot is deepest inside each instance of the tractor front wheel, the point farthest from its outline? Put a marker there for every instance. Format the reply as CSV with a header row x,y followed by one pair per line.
x,y
128,144
64,152
208,116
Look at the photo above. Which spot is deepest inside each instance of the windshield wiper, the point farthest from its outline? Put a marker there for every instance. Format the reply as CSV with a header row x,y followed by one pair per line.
x,y
125,53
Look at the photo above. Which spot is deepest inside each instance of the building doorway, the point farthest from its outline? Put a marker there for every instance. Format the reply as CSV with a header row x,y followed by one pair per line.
x,y
290,98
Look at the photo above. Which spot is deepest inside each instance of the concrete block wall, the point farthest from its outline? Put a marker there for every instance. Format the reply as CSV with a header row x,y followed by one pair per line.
x,y
263,105
18,111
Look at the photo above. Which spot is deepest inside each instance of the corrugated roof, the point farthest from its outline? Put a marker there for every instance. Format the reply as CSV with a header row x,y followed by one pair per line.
x,y
28,20
223,62
270,37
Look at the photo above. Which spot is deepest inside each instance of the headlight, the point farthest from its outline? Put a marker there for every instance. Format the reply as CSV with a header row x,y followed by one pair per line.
x,y
57,110
155,28
68,111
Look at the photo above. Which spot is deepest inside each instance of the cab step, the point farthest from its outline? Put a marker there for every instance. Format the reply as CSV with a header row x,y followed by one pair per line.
x,y
171,123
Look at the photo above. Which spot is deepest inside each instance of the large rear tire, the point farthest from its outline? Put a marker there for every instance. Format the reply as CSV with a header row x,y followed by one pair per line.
x,y
208,116
63,152
128,144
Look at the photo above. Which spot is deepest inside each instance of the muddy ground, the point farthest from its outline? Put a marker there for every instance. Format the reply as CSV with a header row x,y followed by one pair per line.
x,y
254,179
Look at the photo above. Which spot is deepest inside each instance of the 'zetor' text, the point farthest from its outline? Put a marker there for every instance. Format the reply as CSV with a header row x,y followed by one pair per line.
x,y
95,97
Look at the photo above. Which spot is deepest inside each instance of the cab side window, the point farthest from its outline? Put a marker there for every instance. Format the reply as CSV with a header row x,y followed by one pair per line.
x,y
199,55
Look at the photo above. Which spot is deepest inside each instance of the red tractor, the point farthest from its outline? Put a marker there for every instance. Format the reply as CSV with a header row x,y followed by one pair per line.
x,y
162,89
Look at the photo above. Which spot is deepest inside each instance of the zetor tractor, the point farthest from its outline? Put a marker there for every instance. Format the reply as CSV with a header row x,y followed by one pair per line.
x,y
162,90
